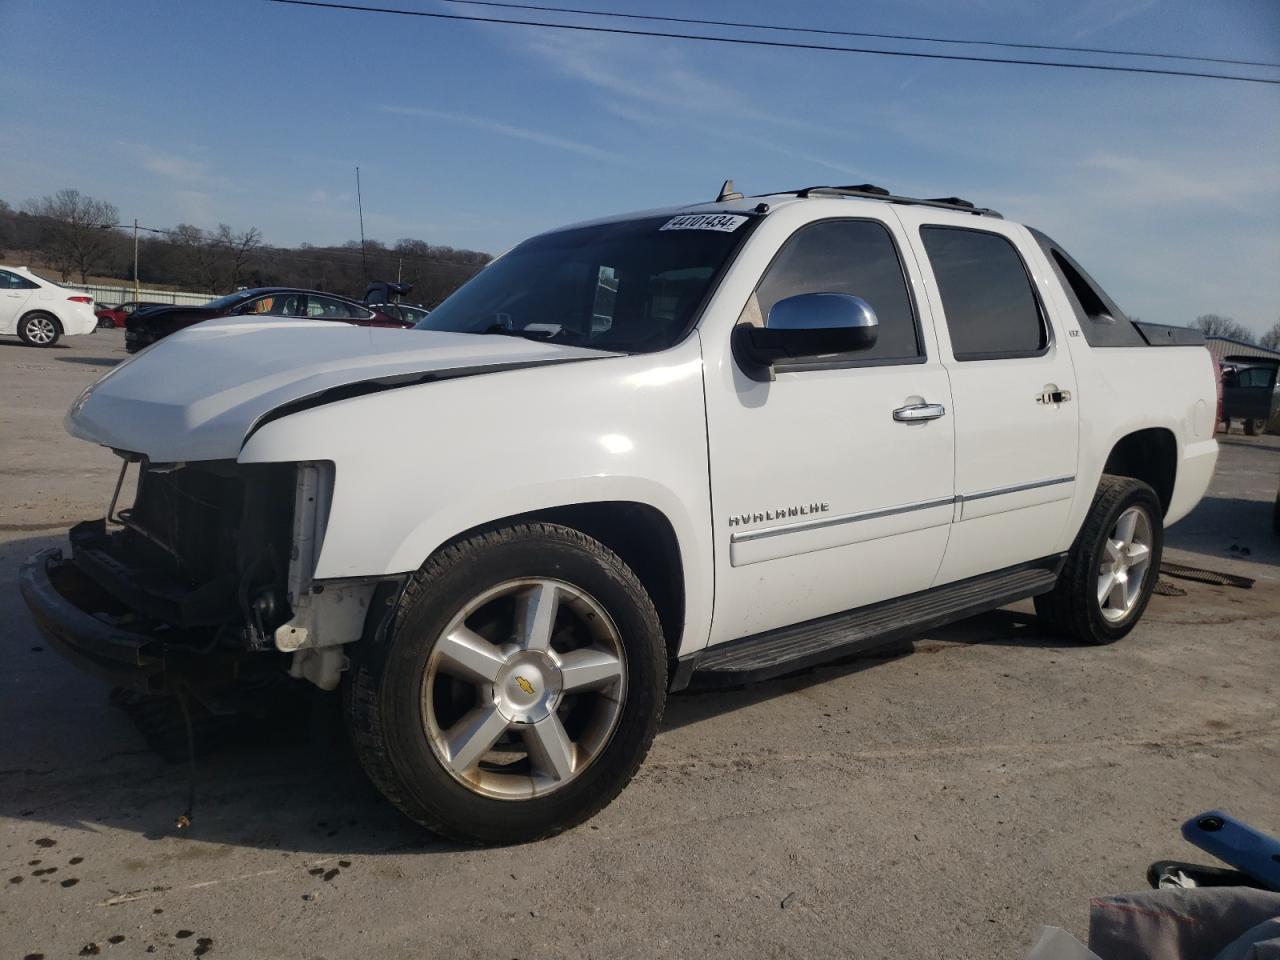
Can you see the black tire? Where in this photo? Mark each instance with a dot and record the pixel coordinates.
(382, 691)
(1255, 426)
(26, 329)
(1275, 516)
(1071, 610)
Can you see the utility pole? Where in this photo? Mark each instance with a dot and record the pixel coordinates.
(135, 258)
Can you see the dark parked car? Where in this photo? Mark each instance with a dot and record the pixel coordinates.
(387, 296)
(1249, 393)
(149, 324)
(410, 313)
(109, 316)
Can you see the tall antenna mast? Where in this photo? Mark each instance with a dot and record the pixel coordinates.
(364, 258)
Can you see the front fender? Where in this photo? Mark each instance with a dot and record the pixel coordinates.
(416, 466)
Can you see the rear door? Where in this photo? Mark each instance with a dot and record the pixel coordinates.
(1013, 390)
(15, 291)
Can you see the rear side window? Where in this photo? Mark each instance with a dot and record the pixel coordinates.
(857, 257)
(326, 308)
(1255, 377)
(1102, 322)
(991, 308)
(11, 281)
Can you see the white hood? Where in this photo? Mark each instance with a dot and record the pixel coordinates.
(197, 394)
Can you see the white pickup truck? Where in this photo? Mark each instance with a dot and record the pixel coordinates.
(687, 447)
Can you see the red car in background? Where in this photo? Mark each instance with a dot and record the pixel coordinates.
(146, 325)
(109, 316)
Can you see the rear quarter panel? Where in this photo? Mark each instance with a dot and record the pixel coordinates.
(1125, 389)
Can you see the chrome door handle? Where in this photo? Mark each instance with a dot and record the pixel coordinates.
(919, 411)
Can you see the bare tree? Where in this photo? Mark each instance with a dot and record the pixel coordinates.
(1213, 325)
(77, 237)
(199, 256)
(1271, 339)
(239, 248)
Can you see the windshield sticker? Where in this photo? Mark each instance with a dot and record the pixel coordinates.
(724, 222)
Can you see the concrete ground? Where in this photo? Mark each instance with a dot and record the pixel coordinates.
(941, 804)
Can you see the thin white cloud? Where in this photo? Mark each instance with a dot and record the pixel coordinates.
(1140, 181)
(662, 77)
(194, 206)
(180, 168)
(173, 166)
(507, 130)
(1104, 14)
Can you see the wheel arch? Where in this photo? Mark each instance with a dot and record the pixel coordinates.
(641, 534)
(1149, 455)
(43, 311)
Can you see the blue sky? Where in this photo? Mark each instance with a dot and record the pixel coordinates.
(237, 111)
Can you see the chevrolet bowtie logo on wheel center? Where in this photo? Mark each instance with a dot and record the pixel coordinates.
(524, 685)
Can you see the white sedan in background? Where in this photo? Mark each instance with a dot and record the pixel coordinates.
(39, 310)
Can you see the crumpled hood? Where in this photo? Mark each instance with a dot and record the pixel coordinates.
(198, 394)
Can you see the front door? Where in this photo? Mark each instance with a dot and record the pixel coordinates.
(822, 500)
(1013, 385)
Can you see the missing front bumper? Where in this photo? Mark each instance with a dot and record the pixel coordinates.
(72, 613)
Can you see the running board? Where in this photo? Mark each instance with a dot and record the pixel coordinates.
(788, 649)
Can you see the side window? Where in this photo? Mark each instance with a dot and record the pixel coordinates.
(1255, 377)
(11, 281)
(1102, 322)
(326, 308)
(857, 257)
(990, 306)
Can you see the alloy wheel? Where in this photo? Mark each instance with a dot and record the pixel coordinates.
(41, 330)
(1124, 564)
(524, 688)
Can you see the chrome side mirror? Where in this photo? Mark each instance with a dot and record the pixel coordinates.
(804, 327)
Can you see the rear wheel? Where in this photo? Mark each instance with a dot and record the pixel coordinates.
(39, 329)
(518, 690)
(1112, 567)
(1255, 426)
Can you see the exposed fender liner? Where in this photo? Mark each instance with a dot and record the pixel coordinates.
(361, 388)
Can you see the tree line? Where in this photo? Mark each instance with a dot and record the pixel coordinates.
(1213, 325)
(80, 237)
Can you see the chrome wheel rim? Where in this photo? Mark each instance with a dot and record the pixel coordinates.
(40, 330)
(1124, 565)
(523, 688)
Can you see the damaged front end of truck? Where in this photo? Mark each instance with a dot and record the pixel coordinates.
(204, 582)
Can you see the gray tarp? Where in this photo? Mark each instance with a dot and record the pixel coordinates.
(1203, 923)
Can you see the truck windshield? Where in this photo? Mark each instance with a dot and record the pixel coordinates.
(630, 286)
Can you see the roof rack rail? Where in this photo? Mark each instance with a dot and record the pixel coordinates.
(870, 191)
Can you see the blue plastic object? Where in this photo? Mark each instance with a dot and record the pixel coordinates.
(1238, 844)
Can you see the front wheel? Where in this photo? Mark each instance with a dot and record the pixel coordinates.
(1112, 567)
(518, 690)
(1255, 426)
(39, 330)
